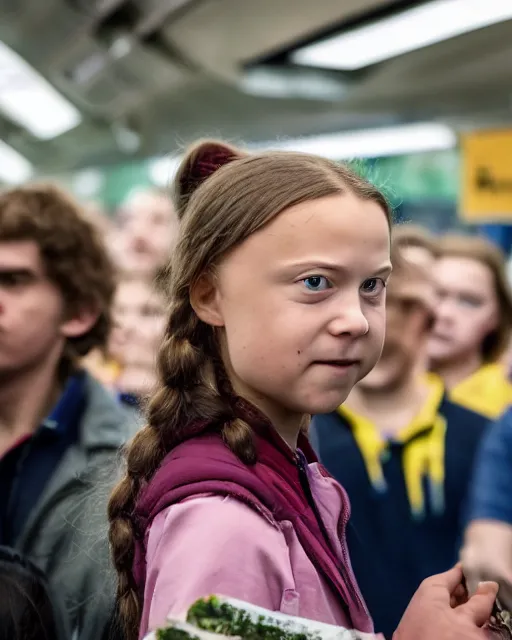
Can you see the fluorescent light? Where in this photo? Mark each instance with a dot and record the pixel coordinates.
(292, 82)
(14, 168)
(28, 99)
(374, 143)
(409, 30)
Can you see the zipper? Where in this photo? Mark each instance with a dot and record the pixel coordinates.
(348, 564)
(347, 576)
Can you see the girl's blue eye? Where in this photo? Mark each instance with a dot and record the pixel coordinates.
(317, 283)
(373, 286)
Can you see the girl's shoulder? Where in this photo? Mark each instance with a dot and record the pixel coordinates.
(210, 516)
(199, 466)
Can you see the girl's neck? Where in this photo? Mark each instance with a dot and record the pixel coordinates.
(287, 424)
(455, 371)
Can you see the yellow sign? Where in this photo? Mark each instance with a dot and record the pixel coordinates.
(486, 194)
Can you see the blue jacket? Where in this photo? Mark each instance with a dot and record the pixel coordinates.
(492, 482)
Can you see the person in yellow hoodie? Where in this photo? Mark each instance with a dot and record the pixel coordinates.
(473, 324)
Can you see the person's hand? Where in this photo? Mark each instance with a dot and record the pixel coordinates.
(441, 610)
(487, 555)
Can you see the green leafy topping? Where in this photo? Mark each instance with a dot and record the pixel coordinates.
(212, 615)
(172, 633)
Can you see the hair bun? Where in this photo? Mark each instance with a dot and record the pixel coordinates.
(199, 163)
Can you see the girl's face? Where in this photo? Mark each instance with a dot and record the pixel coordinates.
(139, 321)
(149, 227)
(300, 305)
(466, 311)
(139, 316)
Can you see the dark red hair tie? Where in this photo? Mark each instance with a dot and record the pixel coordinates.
(206, 164)
(209, 163)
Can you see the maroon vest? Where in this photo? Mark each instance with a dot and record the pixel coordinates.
(276, 486)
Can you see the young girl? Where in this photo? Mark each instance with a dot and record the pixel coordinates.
(139, 314)
(147, 227)
(474, 318)
(278, 295)
(139, 321)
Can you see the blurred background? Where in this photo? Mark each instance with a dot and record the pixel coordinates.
(102, 95)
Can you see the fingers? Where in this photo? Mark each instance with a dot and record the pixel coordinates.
(450, 580)
(459, 596)
(479, 607)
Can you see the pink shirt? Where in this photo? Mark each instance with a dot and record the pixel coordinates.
(216, 545)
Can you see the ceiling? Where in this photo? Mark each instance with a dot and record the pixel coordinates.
(169, 71)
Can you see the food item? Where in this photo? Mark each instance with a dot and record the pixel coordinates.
(217, 618)
(185, 631)
(500, 624)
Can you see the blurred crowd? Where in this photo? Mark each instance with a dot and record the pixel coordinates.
(423, 445)
(139, 239)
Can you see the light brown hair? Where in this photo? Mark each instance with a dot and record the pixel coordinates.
(409, 235)
(223, 195)
(72, 252)
(488, 254)
(412, 279)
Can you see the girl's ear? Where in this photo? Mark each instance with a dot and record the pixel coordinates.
(205, 300)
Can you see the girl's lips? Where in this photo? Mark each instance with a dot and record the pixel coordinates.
(341, 367)
(343, 362)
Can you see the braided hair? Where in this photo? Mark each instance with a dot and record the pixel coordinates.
(222, 196)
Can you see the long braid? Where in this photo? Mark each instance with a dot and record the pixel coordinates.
(223, 195)
(236, 433)
(188, 389)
